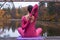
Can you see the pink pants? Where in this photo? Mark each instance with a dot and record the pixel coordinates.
(38, 31)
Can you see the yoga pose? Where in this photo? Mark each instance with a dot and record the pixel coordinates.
(28, 22)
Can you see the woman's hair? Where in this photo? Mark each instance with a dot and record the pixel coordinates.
(29, 8)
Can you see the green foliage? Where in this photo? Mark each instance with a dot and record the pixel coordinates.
(53, 31)
(51, 8)
(42, 3)
(37, 24)
(19, 10)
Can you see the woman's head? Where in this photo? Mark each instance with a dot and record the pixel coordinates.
(29, 8)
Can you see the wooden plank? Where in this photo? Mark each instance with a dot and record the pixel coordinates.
(30, 0)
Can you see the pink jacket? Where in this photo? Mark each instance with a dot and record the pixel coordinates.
(30, 27)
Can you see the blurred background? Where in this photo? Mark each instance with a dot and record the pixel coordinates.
(11, 13)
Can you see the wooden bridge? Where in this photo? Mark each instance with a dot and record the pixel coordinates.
(29, 0)
(46, 38)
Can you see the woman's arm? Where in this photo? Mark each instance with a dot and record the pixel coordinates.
(34, 11)
(24, 25)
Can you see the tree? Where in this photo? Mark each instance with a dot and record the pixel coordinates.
(51, 8)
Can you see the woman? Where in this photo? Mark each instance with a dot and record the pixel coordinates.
(28, 23)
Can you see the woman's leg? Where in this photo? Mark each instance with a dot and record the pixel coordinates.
(21, 31)
(38, 31)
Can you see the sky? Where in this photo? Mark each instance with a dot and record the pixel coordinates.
(23, 4)
(18, 4)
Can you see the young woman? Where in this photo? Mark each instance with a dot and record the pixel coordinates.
(28, 23)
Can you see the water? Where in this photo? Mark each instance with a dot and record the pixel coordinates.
(9, 33)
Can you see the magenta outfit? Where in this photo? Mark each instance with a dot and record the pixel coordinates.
(28, 29)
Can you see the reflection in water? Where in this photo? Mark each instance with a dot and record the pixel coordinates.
(9, 28)
(9, 33)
